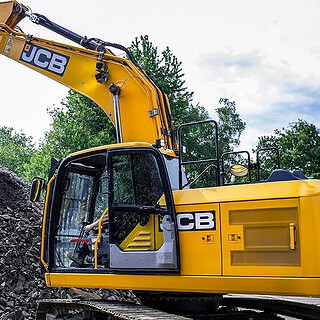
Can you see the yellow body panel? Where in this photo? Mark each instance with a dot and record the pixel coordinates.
(200, 251)
(256, 239)
(145, 237)
(249, 192)
(268, 244)
(293, 286)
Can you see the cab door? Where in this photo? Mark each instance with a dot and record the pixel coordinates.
(142, 222)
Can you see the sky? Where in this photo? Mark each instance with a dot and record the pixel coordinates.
(264, 55)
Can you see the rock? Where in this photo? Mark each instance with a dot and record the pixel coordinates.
(83, 295)
(21, 283)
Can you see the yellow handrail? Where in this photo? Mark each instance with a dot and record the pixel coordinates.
(98, 239)
(43, 235)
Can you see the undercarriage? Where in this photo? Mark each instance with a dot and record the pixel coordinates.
(183, 307)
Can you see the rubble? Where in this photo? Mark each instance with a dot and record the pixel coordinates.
(21, 282)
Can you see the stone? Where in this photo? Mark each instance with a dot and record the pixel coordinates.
(21, 282)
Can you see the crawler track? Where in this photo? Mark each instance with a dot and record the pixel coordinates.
(78, 309)
(231, 308)
(279, 307)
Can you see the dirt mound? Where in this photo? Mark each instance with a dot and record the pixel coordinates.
(21, 283)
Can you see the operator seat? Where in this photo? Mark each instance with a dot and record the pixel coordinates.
(284, 175)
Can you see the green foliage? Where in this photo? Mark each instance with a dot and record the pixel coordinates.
(16, 150)
(230, 125)
(299, 146)
(167, 72)
(78, 124)
(199, 141)
(39, 164)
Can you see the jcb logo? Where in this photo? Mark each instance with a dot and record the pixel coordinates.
(45, 59)
(196, 221)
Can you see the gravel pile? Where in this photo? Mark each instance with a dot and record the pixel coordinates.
(21, 283)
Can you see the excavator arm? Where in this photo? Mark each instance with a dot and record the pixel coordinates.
(133, 101)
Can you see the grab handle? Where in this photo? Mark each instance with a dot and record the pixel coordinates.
(292, 235)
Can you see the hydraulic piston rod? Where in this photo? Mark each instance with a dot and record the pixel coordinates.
(115, 90)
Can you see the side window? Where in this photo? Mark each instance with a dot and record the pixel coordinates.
(137, 202)
(102, 198)
(76, 201)
(136, 180)
(122, 180)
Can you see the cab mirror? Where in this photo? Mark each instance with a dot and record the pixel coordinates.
(37, 185)
(238, 170)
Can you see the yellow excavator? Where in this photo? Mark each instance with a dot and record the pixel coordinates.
(181, 249)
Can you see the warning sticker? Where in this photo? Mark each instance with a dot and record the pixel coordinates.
(8, 46)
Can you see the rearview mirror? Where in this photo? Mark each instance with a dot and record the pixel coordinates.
(238, 170)
(37, 185)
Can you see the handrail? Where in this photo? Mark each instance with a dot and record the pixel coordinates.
(217, 154)
(98, 239)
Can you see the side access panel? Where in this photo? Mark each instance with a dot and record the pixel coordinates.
(261, 238)
(199, 239)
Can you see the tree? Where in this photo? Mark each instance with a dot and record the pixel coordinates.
(230, 125)
(299, 146)
(81, 124)
(167, 71)
(16, 150)
(198, 141)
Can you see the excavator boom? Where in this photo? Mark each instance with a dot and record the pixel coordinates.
(133, 101)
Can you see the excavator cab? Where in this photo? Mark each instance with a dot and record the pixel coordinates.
(131, 185)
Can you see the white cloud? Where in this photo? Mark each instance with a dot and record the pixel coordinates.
(269, 92)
